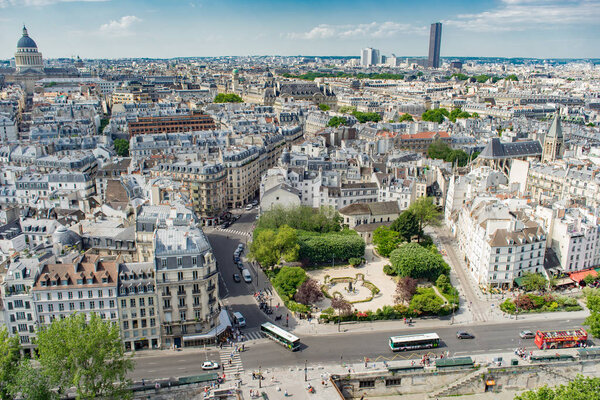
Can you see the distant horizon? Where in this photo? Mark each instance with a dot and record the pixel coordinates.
(111, 29)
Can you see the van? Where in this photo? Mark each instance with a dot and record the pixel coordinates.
(246, 275)
(239, 319)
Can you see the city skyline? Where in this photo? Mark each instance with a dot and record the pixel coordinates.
(135, 28)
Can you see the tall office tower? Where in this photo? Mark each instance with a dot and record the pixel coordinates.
(435, 42)
(369, 56)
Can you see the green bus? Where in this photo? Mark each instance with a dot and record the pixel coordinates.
(414, 342)
(281, 336)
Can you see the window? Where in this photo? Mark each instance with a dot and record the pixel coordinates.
(40, 308)
(150, 301)
(182, 315)
(61, 307)
(143, 312)
(48, 296)
(123, 303)
(180, 276)
(366, 384)
(182, 302)
(125, 324)
(70, 295)
(196, 300)
(90, 294)
(132, 302)
(71, 306)
(142, 302)
(50, 308)
(92, 305)
(111, 303)
(151, 312)
(194, 260)
(198, 314)
(179, 261)
(195, 275)
(152, 322)
(144, 323)
(167, 303)
(101, 304)
(80, 294)
(163, 263)
(81, 305)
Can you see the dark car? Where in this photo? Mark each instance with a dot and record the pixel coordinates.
(464, 335)
(240, 266)
(237, 278)
(225, 225)
(236, 259)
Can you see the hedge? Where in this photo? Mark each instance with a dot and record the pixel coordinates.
(537, 304)
(323, 248)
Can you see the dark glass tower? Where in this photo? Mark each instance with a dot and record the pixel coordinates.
(435, 42)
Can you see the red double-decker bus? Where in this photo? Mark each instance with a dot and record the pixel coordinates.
(561, 339)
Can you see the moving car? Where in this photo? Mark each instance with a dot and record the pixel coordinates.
(208, 365)
(246, 275)
(526, 335)
(464, 335)
(237, 278)
(239, 319)
(225, 225)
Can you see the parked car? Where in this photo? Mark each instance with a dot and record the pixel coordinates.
(464, 335)
(237, 278)
(526, 335)
(241, 246)
(225, 225)
(208, 365)
(239, 319)
(255, 202)
(240, 266)
(249, 207)
(246, 275)
(236, 259)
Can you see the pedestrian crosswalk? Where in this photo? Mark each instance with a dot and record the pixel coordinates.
(254, 334)
(235, 232)
(231, 361)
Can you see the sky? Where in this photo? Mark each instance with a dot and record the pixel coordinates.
(202, 28)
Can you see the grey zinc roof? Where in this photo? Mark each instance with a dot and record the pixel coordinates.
(495, 149)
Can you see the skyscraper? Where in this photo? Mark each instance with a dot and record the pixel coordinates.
(370, 56)
(435, 42)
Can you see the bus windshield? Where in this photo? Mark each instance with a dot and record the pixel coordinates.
(413, 342)
(280, 336)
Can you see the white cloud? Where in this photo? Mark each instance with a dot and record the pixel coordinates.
(119, 26)
(370, 30)
(41, 3)
(520, 15)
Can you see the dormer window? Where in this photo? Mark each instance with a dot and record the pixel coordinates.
(54, 283)
(104, 280)
(64, 282)
(80, 281)
(42, 283)
(123, 291)
(90, 281)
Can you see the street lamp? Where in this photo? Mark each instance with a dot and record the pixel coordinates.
(305, 371)
(259, 378)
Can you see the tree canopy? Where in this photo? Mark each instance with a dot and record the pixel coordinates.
(426, 213)
(228, 98)
(415, 261)
(405, 117)
(347, 109)
(406, 225)
(121, 147)
(440, 150)
(363, 117)
(435, 115)
(426, 301)
(9, 361)
(288, 279)
(593, 304)
(337, 121)
(386, 240)
(533, 282)
(308, 292)
(88, 355)
(324, 219)
(269, 246)
(580, 388)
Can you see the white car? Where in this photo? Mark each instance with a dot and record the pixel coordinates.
(249, 207)
(207, 365)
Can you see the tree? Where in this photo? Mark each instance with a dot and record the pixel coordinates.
(415, 261)
(592, 300)
(443, 283)
(309, 292)
(406, 117)
(533, 282)
(324, 107)
(406, 225)
(121, 147)
(426, 302)
(589, 279)
(580, 388)
(288, 279)
(262, 249)
(32, 383)
(228, 98)
(435, 115)
(88, 355)
(405, 289)
(593, 323)
(286, 243)
(363, 117)
(9, 361)
(342, 306)
(386, 240)
(426, 213)
(347, 109)
(337, 121)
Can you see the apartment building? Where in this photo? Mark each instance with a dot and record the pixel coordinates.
(20, 314)
(575, 238)
(86, 284)
(243, 174)
(187, 287)
(499, 246)
(348, 193)
(137, 303)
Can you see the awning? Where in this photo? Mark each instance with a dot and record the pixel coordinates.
(224, 323)
(564, 281)
(579, 276)
(490, 382)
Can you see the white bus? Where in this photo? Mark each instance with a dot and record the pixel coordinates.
(414, 342)
(280, 336)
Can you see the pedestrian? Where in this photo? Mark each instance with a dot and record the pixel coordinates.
(143, 382)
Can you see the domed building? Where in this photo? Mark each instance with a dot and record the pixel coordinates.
(27, 57)
(65, 240)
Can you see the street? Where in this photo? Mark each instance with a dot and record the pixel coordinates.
(347, 348)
